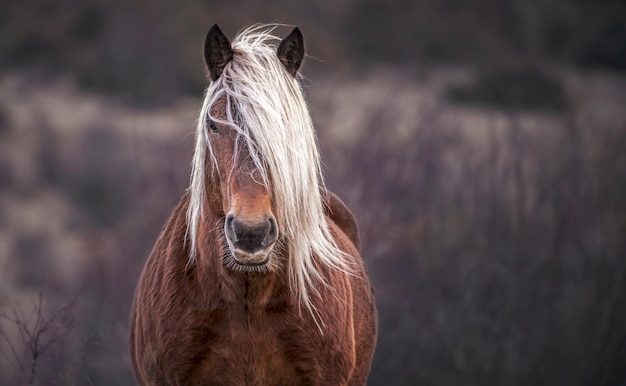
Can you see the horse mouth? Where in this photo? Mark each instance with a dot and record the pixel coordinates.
(242, 261)
(251, 260)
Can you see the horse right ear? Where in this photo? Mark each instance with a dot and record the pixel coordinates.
(217, 52)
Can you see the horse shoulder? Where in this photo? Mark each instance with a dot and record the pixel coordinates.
(364, 316)
(342, 217)
(150, 303)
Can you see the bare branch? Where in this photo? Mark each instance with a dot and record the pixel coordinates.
(37, 333)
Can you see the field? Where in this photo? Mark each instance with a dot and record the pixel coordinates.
(495, 239)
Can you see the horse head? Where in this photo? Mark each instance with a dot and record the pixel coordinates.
(244, 195)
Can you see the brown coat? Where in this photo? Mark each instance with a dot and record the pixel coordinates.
(205, 325)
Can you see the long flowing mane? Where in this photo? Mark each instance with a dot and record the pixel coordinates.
(266, 107)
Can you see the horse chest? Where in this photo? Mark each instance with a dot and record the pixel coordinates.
(252, 349)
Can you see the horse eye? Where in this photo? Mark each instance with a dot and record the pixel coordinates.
(213, 127)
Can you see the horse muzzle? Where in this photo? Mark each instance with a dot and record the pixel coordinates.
(251, 243)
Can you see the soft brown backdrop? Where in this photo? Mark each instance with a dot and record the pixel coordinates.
(481, 145)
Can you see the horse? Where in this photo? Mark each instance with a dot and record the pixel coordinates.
(257, 277)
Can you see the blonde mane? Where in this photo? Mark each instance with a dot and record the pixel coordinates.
(266, 106)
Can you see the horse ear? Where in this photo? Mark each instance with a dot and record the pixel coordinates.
(291, 51)
(217, 52)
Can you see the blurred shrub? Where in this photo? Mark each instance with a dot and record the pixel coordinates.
(4, 121)
(97, 188)
(500, 264)
(89, 22)
(134, 61)
(526, 89)
(49, 36)
(150, 52)
(488, 31)
(31, 249)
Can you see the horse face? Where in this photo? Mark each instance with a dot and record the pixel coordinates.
(250, 227)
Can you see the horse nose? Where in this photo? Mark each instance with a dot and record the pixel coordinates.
(251, 237)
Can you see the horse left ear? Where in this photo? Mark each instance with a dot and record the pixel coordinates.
(291, 51)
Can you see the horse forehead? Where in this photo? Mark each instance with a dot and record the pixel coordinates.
(218, 109)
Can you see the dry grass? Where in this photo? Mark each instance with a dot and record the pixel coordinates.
(484, 231)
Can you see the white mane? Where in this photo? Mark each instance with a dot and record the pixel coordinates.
(273, 118)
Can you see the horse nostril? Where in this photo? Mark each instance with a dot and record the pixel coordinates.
(272, 233)
(229, 228)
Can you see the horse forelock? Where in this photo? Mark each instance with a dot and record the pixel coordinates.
(266, 106)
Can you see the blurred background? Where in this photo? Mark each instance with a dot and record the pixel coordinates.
(481, 145)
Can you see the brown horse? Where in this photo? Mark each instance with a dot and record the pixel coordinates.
(256, 278)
